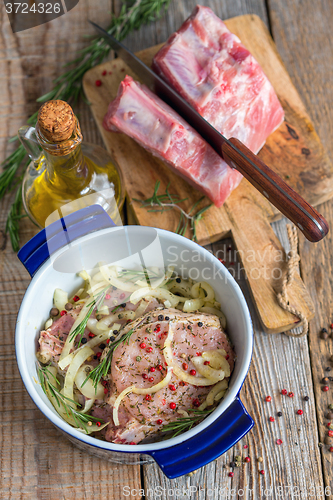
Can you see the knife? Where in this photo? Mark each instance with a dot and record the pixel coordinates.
(232, 151)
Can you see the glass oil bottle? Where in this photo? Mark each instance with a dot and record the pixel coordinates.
(66, 174)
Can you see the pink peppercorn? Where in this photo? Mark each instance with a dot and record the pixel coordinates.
(325, 388)
(104, 72)
(330, 433)
(262, 472)
(98, 83)
(284, 392)
(62, 313)
(160, 367)
(76, 298)
(150, 349)
(148, 397)
(196, 402)
(268, 399)
(279, 441)
(108, 296)
(185, 366)
(98, 354)
(159, 421)
(145, 376)
(331, 449)
(172, 387)
(172, 406)
(193, 372)
(91, 335)
(271, 419)
(231, 474)
(247, 459)
(143, 345)
(98, 424)
(105, 390)
(207, 363)
(151, 379)
(245, 446)
(152, 369)
(299, 412)
(291, 394)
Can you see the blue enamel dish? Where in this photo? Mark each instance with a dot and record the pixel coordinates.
(80, 240)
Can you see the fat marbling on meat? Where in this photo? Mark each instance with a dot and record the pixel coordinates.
(210, 67)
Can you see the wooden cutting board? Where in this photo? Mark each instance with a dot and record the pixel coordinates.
(294, 151)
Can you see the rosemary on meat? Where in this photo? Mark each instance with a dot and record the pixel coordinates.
(81, 419)
(102, 369)
(96, 302)
(186, 423)
(68, 87)
(168, 201)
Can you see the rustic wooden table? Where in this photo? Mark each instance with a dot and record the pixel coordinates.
(37, 462)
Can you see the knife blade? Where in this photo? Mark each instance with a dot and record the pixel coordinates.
(232, 151)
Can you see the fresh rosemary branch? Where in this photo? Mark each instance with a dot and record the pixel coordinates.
(103, 368)
(14, 216)
(168, 201)
(68, 87)
(96, 302)
(45, 377)
(185, 424)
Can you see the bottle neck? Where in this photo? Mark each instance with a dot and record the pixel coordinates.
(65, 165)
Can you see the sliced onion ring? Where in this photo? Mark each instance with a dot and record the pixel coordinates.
(208, 372)
(179, 372)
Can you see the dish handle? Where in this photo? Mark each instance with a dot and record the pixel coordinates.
(60, 233)
(202, 448)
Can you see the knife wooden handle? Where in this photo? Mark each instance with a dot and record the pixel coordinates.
(291, 204)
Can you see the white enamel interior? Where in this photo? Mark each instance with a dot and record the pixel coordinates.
(112, 245)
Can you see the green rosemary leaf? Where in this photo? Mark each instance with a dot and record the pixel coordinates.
(102, 369)
(68, 86)
(95, 302)
(167, 201)
(80, 418)
(186, 423)
(14, 215)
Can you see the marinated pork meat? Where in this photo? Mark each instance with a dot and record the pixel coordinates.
(140, 114)
(141, 363)
(52, 340)
(208, 65)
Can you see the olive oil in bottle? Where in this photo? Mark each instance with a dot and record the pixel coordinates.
(66, 174)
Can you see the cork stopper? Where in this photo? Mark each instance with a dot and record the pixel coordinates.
(56, 121)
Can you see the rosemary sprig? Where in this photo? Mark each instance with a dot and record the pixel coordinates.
(102, 369)
(185, 424)
(96, 302)
(168, 201)
(14, 216)
(68, 87)
(44, 375)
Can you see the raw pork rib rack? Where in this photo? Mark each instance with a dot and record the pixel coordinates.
(217, 75)
(207, 64)
(144, 117)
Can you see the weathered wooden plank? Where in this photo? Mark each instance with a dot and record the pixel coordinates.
(269, 372)
(37, 462)
(278, 362)
(302, 33)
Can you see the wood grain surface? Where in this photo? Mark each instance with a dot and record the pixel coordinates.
(246, 213)
(39, 463)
